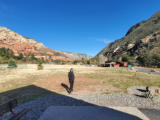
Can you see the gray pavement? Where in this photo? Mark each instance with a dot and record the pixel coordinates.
(152, 114)
(148, 71)
(89, 113)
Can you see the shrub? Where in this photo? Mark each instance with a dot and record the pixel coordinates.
(131, 60)
(75, 61)
(39, 65)
(149, 59)
(12, 64)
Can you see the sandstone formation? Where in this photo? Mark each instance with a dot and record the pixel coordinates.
(27, 46)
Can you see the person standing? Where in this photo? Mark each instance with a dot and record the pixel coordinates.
(71, 78)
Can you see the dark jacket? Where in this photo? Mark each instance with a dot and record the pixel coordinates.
(71, 76)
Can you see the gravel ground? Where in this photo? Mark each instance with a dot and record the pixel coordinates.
(121, 100)
(37, 107)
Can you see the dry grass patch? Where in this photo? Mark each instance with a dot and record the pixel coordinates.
(88, 80)
(122, 79)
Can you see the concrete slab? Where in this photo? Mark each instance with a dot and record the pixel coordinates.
(89, 113)
(132, 111)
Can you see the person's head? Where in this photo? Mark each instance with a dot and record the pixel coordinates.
(147, 88)
(71, 70)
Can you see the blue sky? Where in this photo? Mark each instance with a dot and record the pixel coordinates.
(82, 26)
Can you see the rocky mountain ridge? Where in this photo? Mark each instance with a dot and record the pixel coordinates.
(77, 56)
(142, 40)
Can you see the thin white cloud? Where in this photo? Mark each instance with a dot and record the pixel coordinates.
(103, 40)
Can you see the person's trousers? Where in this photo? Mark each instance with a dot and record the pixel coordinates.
(71, 85)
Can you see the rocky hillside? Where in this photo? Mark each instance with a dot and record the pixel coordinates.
(140, 45)
(77, 56)
(27, 46)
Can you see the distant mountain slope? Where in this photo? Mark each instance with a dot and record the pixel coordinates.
(139, 46)
(77, 56)
(22, 44)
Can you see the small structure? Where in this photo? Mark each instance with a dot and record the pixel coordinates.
(79, 63)
(124, 64)
(117, 65)
(154, 70)
(109, 64)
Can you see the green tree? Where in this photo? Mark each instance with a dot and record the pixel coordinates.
(88, 62)
(75, 61)
(20, 56)
(131, 60)
(149, 59)
(33, 57)
(84, 61)
(6, 54)
(125, 58)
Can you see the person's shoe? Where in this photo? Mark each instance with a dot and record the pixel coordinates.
(69, 91)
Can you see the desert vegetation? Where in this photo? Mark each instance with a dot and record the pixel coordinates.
(7, 55)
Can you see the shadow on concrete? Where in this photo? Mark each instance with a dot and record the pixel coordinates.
(38, 103)
(24, 94)
(152, 114)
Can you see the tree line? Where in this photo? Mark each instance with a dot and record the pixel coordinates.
(7, 55)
